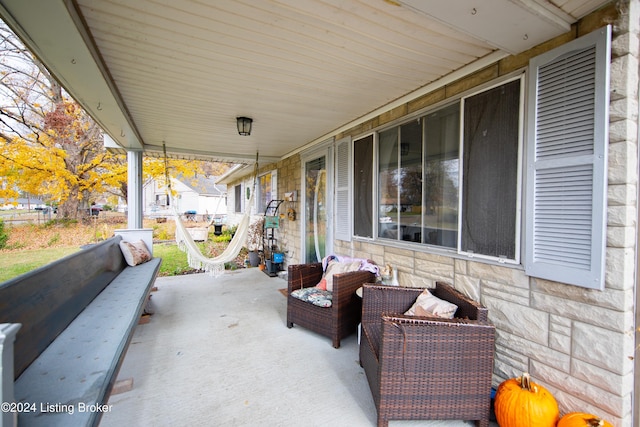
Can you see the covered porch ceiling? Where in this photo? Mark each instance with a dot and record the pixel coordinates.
(178, 73)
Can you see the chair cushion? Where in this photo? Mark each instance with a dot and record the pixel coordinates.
(336, 267)
(428, 304)
(314, 295)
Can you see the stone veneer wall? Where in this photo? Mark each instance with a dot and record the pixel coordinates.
(579, 343)
(289, 179)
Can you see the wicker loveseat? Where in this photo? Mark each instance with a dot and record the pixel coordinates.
(335, 322)
(426, 368)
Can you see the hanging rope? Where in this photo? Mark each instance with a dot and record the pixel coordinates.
(195, 258)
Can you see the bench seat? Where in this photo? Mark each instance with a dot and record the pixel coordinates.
(77, 370)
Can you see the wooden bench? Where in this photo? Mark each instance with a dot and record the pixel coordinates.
(78, 315)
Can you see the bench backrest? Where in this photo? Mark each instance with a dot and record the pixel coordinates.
(47, 299)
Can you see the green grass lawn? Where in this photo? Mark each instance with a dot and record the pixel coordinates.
(174, 261)
(12, 264)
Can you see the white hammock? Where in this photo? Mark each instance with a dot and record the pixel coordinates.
(213, 266)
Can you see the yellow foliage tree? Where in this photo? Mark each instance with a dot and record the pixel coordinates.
(51, 148)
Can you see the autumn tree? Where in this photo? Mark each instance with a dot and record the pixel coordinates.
(50, 147)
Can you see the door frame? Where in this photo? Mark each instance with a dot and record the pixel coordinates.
(326, 149)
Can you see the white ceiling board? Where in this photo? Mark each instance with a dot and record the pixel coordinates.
(504, 24)
(180, 72)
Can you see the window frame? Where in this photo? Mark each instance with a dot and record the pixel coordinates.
(457, 250)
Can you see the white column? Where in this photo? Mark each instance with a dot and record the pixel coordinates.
(134, 190)
(7, 337)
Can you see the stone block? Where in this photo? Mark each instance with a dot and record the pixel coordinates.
(534, 351)
(563, 385)
(504, 370)
(620, 385)
(595, 345)
(558, 322)
(560, 342)
(620, 268)
(434, 269)
(510, 275)
(473, 80)
(621, 195)
(622, 85)
(522, 321)
(624, 108)
(399, 258)
(621, 131)
(442, 259)
(621, 237)
(393, 114)
(610, 298)
(412, 281)
(622, 161)
(625, 44)
(460, 266)
(621, 216)
(506, 292)
(611, 319)
(470, 286)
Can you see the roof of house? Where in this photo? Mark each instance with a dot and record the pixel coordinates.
(205, 185)
(22, 201)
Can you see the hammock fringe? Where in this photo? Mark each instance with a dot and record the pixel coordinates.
(195, 258)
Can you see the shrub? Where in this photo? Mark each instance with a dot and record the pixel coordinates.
(4, 235)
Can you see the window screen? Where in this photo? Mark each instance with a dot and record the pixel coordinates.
(490, 171)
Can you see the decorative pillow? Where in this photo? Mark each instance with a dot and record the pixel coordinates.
(428, 304)
(335, 267)
(135, 252)
(314, 295)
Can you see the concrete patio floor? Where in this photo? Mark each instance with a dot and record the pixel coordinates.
(217, 352)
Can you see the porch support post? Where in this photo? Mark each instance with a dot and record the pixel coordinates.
(7, 337)
(134, 190)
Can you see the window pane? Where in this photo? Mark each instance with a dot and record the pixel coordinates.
(388, 186)
(238, 198)
(490, 171)
(442, 136)
(410, 178)
(363, 187)
(264, 187)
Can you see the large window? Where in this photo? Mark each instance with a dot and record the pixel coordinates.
(363, 187)
(449, 179)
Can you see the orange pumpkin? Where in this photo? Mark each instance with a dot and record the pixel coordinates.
(580, 419)
(520, 402)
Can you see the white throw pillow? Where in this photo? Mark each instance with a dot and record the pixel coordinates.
(135, 252)
(428, 304)
(333, 268)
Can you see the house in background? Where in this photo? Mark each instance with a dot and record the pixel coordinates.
(21, 203)
(201, 195)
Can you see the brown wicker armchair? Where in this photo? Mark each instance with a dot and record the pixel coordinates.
(335, 322)
(426, 368)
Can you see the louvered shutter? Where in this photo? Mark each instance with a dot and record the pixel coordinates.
(343, 190)
(567, 162)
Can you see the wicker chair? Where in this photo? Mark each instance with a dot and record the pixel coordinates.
(335, 322)
(426, 368)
